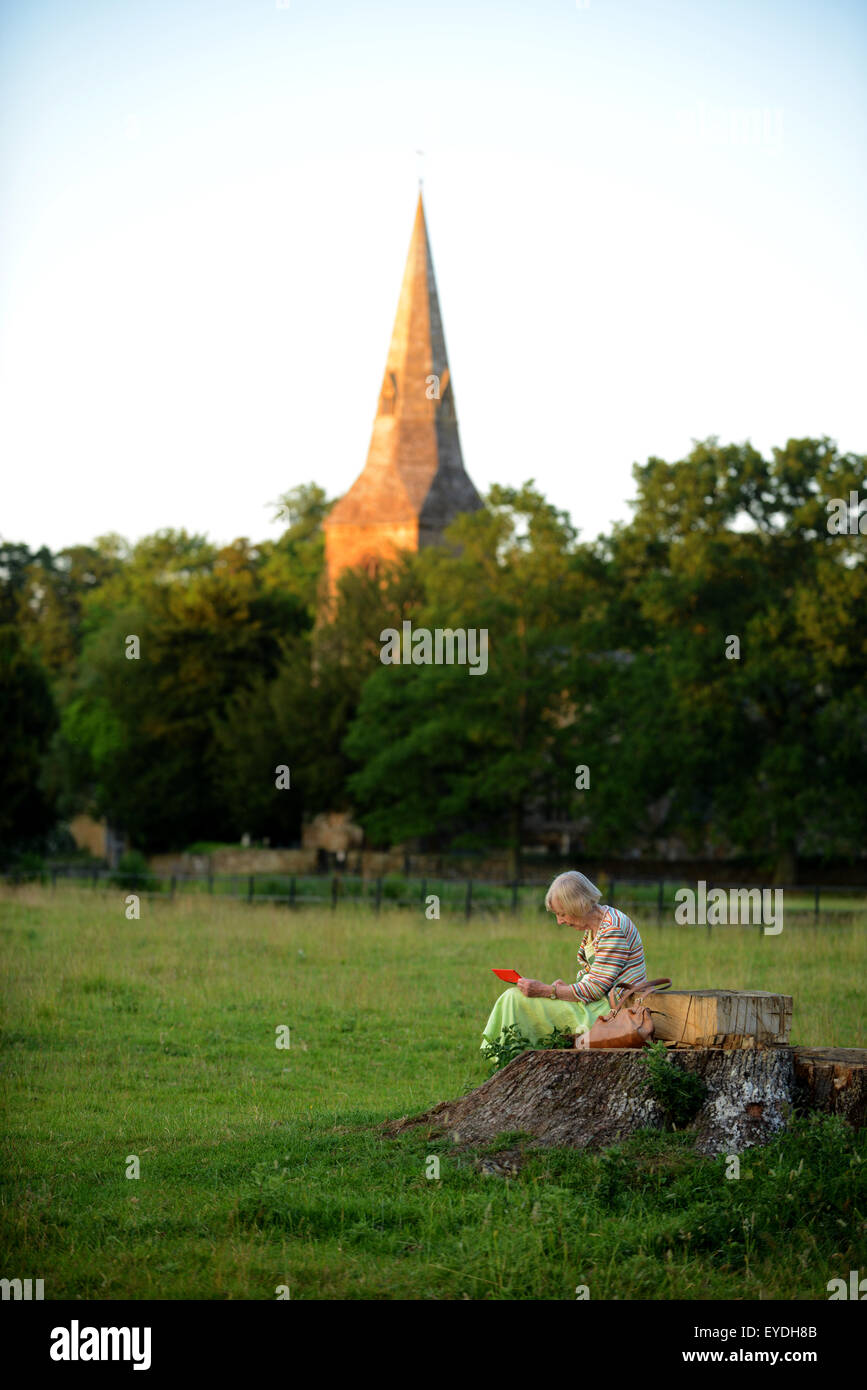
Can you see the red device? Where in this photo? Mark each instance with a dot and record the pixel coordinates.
(511, 976)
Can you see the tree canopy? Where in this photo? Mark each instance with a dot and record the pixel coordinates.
(704, 662)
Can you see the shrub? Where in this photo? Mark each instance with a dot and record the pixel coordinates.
(132, 871)
(512, 1043)
(680, 1093)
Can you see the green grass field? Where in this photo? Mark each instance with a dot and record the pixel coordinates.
(264, 1167)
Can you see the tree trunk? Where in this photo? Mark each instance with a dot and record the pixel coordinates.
(726, 1017)
(515, 827)
(786, 867)
(597, 1098)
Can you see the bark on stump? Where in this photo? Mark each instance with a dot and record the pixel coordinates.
(728, 1017)
(598, 1098)
(833, 1079)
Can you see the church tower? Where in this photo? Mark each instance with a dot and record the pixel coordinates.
(413, 484)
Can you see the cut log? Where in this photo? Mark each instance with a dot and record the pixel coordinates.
(731, 1018)
(833, 1079)
(594, 1099)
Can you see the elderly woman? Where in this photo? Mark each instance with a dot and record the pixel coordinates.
(610, 954)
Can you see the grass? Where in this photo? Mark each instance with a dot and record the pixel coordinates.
(263, 1167)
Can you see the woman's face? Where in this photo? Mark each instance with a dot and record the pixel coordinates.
(565, 920)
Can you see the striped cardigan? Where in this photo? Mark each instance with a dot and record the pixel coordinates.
(619, 957)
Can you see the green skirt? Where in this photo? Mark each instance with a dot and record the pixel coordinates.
(536, 1018)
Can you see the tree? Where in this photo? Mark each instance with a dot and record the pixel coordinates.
(27, 721)
(53, 598)
(741, 750)
(138, 725)
(299, 715)
(456, 757)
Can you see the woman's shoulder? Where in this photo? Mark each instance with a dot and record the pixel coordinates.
(614, 922)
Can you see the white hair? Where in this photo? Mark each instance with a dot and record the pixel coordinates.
(572, 893)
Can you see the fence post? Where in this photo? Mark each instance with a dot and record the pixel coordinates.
(250, 889)
(333, 891)
(515, 896)
(378, 903)
(661, 900)
(469, 903)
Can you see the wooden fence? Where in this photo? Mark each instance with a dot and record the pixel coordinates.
(655, 896)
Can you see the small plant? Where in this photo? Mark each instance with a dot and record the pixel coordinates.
(512, 1043)
(558, 1038)
(679, 1092)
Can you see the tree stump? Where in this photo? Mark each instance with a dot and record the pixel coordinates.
(597, 1098)
(833, 1079)
(725, 1017)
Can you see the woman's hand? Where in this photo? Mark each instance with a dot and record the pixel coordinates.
(533, 989)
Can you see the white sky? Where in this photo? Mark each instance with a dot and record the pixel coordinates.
(647, 223)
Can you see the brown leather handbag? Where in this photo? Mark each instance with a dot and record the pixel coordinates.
(629, 1024)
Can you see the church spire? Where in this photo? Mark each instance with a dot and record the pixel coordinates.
(413, 484)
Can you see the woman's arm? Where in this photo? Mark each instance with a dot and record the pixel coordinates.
(612, 955)
(537, 989)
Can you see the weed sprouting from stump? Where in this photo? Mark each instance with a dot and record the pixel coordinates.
(680, 1093)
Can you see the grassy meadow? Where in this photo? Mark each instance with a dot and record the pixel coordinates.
(263, 1166)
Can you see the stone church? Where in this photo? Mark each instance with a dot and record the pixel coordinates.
(414, 482)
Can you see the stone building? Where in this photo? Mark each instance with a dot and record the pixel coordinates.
(414, 483)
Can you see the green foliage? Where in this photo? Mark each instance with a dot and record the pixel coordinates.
(680, 1093)
(27, 721)
(52, 593)
(557, 1038)
(395, 887)
(512, 1042)
(132, 872)
(504, 1049)
(466, 754)
(137, 740)
(767, 750)
(610, 652)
